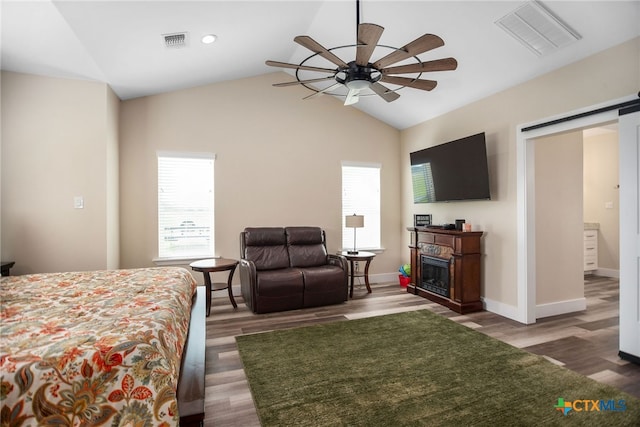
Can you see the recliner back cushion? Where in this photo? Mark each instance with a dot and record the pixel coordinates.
(306, 246)
(266, 247)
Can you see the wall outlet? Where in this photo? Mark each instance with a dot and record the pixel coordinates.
(608, 205)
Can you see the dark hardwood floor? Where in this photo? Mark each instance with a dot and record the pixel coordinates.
(585, 342)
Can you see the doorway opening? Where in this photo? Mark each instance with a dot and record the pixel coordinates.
(526, 211)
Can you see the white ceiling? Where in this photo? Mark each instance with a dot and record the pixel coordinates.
(121, 43)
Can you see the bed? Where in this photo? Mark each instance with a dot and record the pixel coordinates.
(117, 347)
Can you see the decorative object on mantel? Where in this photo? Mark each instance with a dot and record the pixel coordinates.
(421, 220)
(361, 77)
(354, 221)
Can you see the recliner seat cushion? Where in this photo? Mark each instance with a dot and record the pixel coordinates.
(266, 247)
(323, 278)
(280, 290)
(306, 248)
(284, 281)
(324, 285)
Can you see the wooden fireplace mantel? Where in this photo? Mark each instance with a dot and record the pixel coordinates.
(463, 250)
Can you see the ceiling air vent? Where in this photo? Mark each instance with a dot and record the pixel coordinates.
(536, 28)
(175, 40)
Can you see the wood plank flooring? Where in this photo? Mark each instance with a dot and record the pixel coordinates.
(585, 342)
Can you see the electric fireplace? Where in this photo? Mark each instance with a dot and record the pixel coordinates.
(435, 275)
(446, 267)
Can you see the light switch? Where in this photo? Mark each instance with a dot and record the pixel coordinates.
(78, 202)
(608, 205)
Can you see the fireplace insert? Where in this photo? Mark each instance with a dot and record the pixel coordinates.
(435, 275)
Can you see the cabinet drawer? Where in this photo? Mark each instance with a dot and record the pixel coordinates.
(591, 258)
(590, 235)
(590, 266)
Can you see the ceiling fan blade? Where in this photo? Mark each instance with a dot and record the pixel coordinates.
(368, 36)
(320, 92)
(352, 97)
(420, 45)
(445, 64)
(316, 47)
(299, 67)
(414, 83)
(321, 79)
(384, 92)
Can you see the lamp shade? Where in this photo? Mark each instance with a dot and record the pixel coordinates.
(354, 221)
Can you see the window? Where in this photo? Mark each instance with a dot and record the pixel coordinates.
(361, 196)
(185, 205)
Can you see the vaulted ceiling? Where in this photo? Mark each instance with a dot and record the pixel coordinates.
(121, 43)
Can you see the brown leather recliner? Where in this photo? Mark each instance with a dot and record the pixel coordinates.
(286, 268)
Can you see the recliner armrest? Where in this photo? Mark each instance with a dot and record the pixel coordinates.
(248, 281)
(338, 260)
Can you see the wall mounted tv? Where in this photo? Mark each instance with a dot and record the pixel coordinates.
(456, 170)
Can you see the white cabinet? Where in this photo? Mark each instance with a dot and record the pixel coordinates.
(590, 250)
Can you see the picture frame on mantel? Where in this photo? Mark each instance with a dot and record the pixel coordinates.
(421, 220)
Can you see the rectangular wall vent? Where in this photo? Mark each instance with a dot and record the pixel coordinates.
(536, 28)
(175, 40)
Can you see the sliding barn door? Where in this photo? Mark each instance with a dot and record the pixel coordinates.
(629, 128)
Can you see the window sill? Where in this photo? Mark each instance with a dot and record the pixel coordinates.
(180, 260)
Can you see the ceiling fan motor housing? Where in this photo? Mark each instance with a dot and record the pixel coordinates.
(359, 77)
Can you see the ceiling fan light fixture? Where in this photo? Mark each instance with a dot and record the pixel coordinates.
(358, 84)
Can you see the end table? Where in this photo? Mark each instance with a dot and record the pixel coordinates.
(353, 258)
(208, 266)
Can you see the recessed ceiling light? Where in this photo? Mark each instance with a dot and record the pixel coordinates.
(208, 38)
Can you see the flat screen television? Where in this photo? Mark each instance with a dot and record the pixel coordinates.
(456, 170)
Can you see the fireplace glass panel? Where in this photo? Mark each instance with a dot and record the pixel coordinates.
(435, 275)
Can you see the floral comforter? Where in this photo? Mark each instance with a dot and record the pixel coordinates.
(93, 348)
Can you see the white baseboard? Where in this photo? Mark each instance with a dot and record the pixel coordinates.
(501, 309)
(560, 307)
(607, 272)
(497, 307)
(384, 278)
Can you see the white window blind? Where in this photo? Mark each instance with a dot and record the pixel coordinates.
(361, 196)
(185, 205)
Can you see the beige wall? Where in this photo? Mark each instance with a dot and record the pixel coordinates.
(278, 162)
(58, 141)
(559, 234)
(601, 176)
(611, 74)
(56, 138)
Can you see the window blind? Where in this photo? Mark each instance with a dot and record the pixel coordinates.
(186, 205)
(361, 196)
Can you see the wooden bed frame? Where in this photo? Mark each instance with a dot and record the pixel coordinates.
(191, 382)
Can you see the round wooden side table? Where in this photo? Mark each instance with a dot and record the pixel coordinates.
(213, 265)
(353, 258)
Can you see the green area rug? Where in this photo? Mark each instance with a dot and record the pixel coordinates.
(418, 369)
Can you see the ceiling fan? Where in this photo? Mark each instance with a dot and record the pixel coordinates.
(360, 75)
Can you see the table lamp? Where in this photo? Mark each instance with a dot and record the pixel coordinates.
(354, 221)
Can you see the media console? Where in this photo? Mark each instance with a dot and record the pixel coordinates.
(446, 267)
